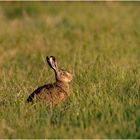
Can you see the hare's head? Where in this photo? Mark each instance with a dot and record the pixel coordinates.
(61, 75)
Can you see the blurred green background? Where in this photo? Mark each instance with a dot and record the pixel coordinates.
(98, 41)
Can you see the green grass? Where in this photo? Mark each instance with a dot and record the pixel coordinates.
(98, 41)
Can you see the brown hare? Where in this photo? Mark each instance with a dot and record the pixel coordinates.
(56, 92)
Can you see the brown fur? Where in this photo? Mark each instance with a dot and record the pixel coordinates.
(56, 92)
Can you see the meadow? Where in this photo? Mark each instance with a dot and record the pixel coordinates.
(98, 41)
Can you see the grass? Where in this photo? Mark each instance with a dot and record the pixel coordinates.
(98, 41)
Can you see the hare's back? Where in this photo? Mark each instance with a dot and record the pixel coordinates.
(42, 92)
(53, 94)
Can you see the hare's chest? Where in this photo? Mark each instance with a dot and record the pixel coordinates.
(57, 97)
(60, 96)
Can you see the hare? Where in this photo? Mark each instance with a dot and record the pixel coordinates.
(56, 92)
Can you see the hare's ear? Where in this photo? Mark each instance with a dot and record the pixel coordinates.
(52, 62)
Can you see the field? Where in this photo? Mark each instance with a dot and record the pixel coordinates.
(98, 41)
